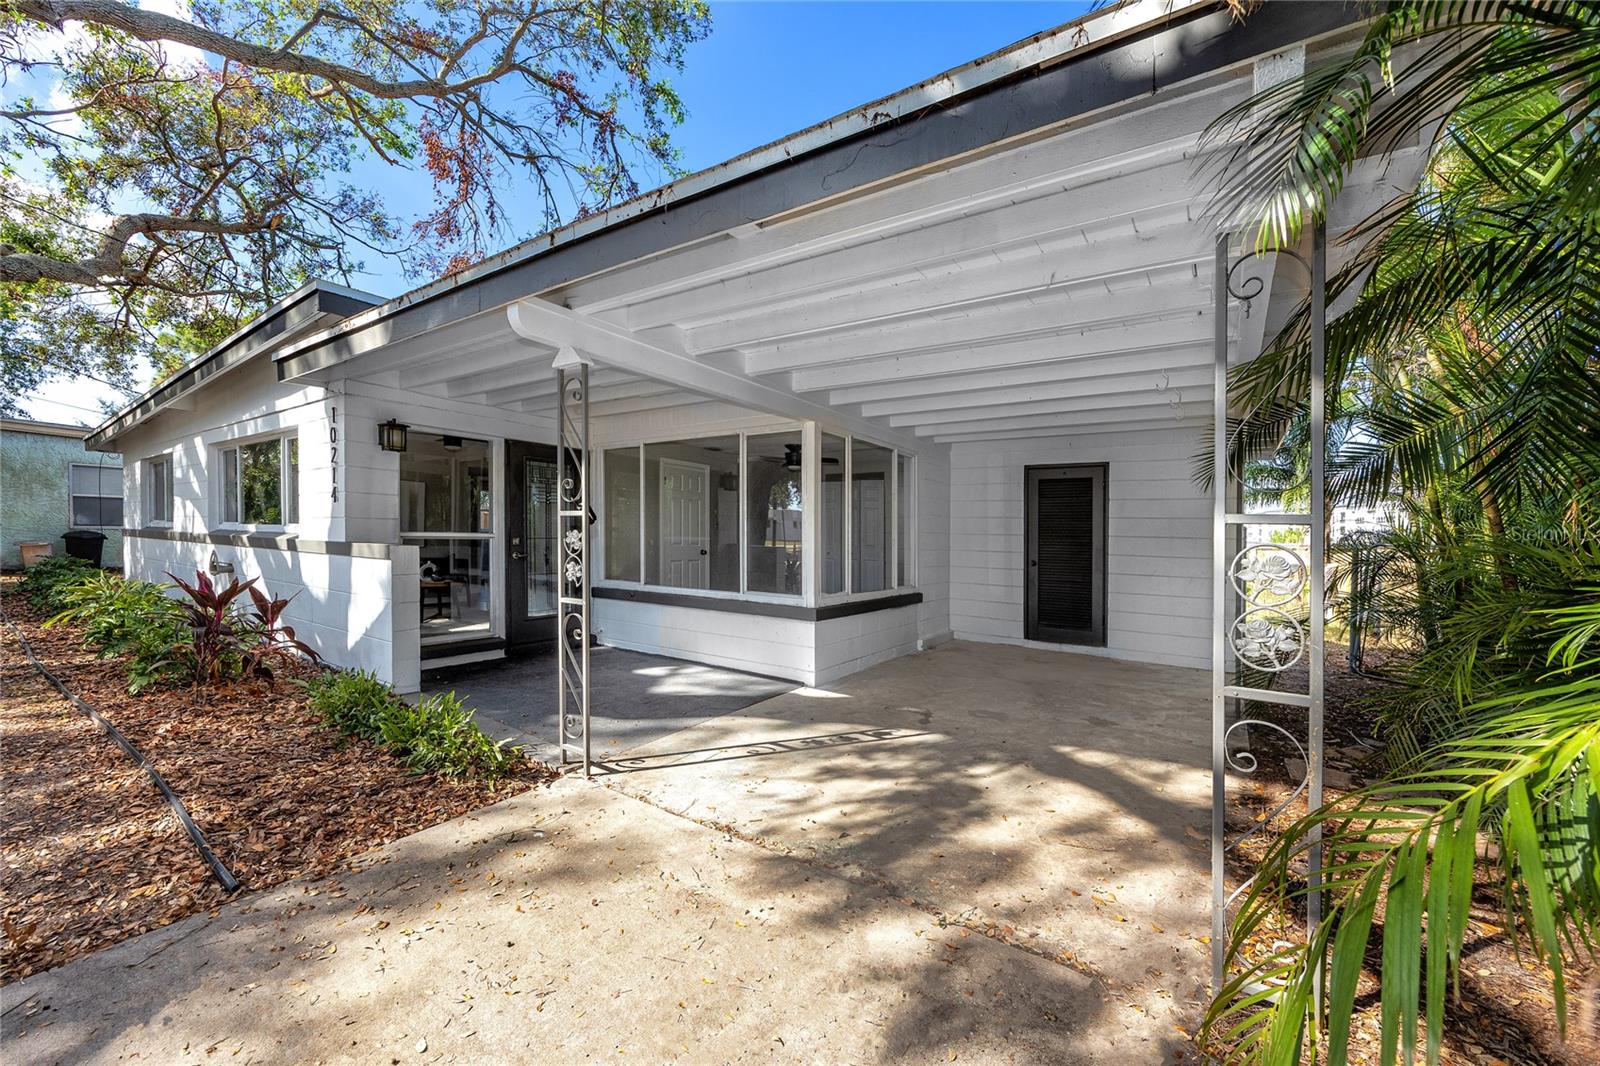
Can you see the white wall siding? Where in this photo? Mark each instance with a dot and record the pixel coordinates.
(1158, 542)
(775, 647)
(845, 645)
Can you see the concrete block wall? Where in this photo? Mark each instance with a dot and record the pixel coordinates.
(356, 611)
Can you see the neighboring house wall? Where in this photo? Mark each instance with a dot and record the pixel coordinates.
(1158, 542)
(35, 471)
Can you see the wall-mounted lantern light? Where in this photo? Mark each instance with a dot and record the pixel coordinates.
(392, 435)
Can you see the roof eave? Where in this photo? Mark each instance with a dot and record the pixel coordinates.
(301, 311)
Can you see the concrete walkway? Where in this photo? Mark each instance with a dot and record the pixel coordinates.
(912, 868)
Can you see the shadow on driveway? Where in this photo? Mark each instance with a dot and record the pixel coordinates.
(635, 698)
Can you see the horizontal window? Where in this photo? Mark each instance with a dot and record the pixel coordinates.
(95, 495)
(727, 514)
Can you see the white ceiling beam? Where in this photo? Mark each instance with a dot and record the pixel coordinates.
(1070, 308)
(1149, 397)
(448, 363)
(1095, 389)
(640, 404)
(527, 373)
(1110, 343)
(1034, 434)
(1057, 265)
(1142, 203)
(1118, 147)
(612, 345)
(1079, 370)
(542, 396)
(1069, 422)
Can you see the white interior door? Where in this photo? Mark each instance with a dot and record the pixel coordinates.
(869, 559)
(685, 524)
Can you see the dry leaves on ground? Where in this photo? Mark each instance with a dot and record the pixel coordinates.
(90, 853)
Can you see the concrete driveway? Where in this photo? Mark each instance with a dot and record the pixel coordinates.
(912, 867)
(1060, 802)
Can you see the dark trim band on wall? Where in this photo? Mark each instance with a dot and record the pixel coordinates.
(287, 542)
(757, 607)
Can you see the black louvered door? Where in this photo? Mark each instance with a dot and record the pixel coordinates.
(1066, 554)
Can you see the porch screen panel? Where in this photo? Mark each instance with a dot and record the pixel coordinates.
(833, 512)
(1066, 555)
(870, 511)
(622, 513)
(691, 508)
(773, 492)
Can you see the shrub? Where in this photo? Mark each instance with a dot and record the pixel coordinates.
(352, 701)
(224, 643)
(45, 584)
(437, 735)
(135, 619)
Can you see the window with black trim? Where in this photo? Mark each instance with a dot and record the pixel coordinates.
(95, 495)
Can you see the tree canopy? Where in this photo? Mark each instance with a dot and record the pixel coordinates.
(166, 178)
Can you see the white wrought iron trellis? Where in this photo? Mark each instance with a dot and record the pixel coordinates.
(572, 529)
(1256, 593)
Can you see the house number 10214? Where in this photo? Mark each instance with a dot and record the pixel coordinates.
(333, 450)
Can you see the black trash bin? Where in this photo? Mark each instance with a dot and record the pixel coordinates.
(88, 544)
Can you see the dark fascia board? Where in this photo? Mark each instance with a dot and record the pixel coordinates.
(1192, 43)
(303, 309)
(760, 608)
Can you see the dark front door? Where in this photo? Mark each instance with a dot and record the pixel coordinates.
(532, 554)
(1066, 554)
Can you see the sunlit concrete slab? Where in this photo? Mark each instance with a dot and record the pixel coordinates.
(1059, 800)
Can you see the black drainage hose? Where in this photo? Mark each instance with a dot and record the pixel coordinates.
(226, 879)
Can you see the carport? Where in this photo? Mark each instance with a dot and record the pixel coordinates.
(974, 332)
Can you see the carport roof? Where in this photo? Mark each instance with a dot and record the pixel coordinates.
(1113, 57)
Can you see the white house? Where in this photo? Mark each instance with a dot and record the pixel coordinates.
(938, 366)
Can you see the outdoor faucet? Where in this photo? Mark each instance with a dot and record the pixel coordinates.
(217, 566)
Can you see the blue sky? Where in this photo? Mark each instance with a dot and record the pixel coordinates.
(767, 70)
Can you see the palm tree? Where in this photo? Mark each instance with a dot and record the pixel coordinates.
(1466, 379)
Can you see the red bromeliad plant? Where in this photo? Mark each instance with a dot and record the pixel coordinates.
(224, 643)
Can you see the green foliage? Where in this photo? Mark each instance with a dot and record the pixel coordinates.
(352, 701)
(46, 583)
(1524, 768)
(1463, 392)
(435, 735)
(168, 178)
(131, 619)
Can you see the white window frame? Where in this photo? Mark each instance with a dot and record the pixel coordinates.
(148, 497)
(72, 509)
(498, 520)
(811, 594)
(227, 453)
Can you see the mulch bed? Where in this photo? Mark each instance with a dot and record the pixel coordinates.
(90, 853)
(1505, 1014)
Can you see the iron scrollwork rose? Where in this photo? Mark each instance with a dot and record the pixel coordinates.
(1267, 639)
